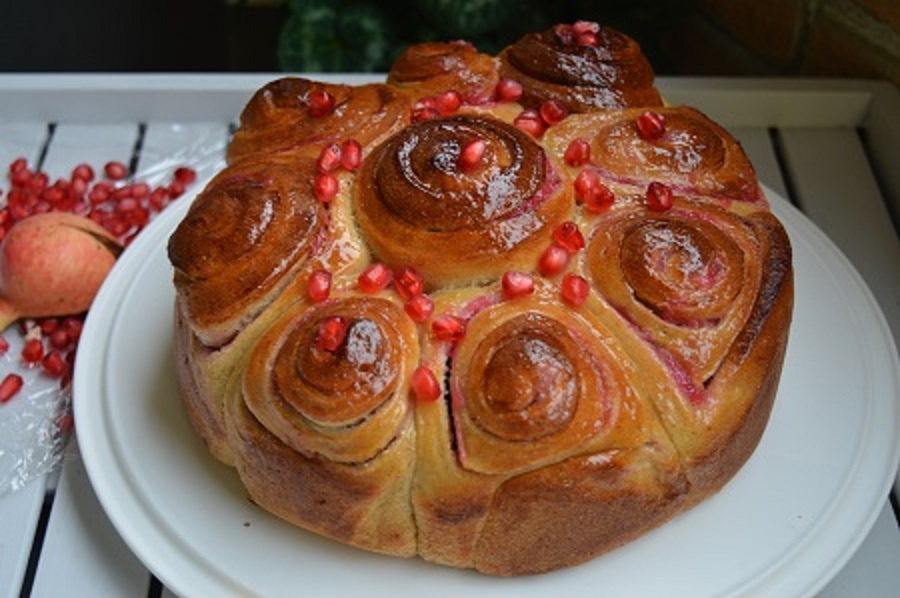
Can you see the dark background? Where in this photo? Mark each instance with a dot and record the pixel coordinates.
(843, 38)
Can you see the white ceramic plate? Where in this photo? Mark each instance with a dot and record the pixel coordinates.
(784, 526)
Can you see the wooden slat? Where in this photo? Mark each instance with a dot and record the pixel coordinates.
(83, 555)
(836, 189)
(20, 509)
(77, 524)
(882, 135)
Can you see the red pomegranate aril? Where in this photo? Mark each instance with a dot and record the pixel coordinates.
(185, 175)
(578, 153)
(318, 288)
(321, 103)
(448, 102)
(48, 325)
(33, 351)
(115, 170)
(127, 204)
(419, 308)
(508, 90)
(574, 289)
(581, 27)
(175, 189)
(21, 177)
(425, 113)
(375, 278)
(447, 327)
(471, 155)
(73, 327)
(530, 121)
(650, 125)
(4, 345)
(10, 387)
(140, 190)
(83, 172)
(409, 283)
(329, 158)
(553, 112)
(588, 39)
(659, 197)
(17, 165)
(332, 333)
(553, 261)
(325, 187)
(569, 236)
(517, 284)
(590, 191)
(54, 365)
(351, 154)
(59, 339)
(425, 384)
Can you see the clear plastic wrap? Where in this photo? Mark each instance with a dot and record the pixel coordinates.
(36, 423)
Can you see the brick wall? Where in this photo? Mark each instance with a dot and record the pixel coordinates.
(830, 38)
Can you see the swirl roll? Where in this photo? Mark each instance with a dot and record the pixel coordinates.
(434, 67)
(278, 117)
(415, 204)
(693, 154)
(609, 72)
(250, 230)
(312, 422)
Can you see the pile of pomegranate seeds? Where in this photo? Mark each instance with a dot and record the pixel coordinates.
(443, 104)
(121, 205)
(535, 122)
(590, 190)
(580, 33)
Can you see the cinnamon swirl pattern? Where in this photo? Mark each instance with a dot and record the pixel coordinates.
(451, 316)
(292, 113)
(419, 202)
(585, 66)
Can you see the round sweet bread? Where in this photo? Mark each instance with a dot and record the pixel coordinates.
(501, 312)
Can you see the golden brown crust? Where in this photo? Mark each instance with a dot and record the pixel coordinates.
(476, 411)
(609, 72)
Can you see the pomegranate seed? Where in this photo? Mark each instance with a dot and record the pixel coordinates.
(659, 197)
(329, 158)
(319, 285)
(588, 39)
(351, 154)
(426, 113)
(419, 308)
(325, 187)
(447, 102)
(508, 90)
(4, 345)
(185, 175)
(73, 326)
(32, 352)
(425, 384)
(447, 327)
(140, 190)
(650, 125)
(517, 284)
(54, 365)
(574, 289)
(175, 189)
(569, 237)
(10, 386)
(127, 204)
(553, 261)
(578, 153)
(332, 332)
(321, 103)
(99, 193)
(531, 122)
(60, 339)
(18, 165)
(553, 111)
(83, 172)
(592, 192)
(375, 278)
(471, 154)
(48, 325)
(409, 283)
(115, 171)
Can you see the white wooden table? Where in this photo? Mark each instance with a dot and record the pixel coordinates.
(825, 145)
